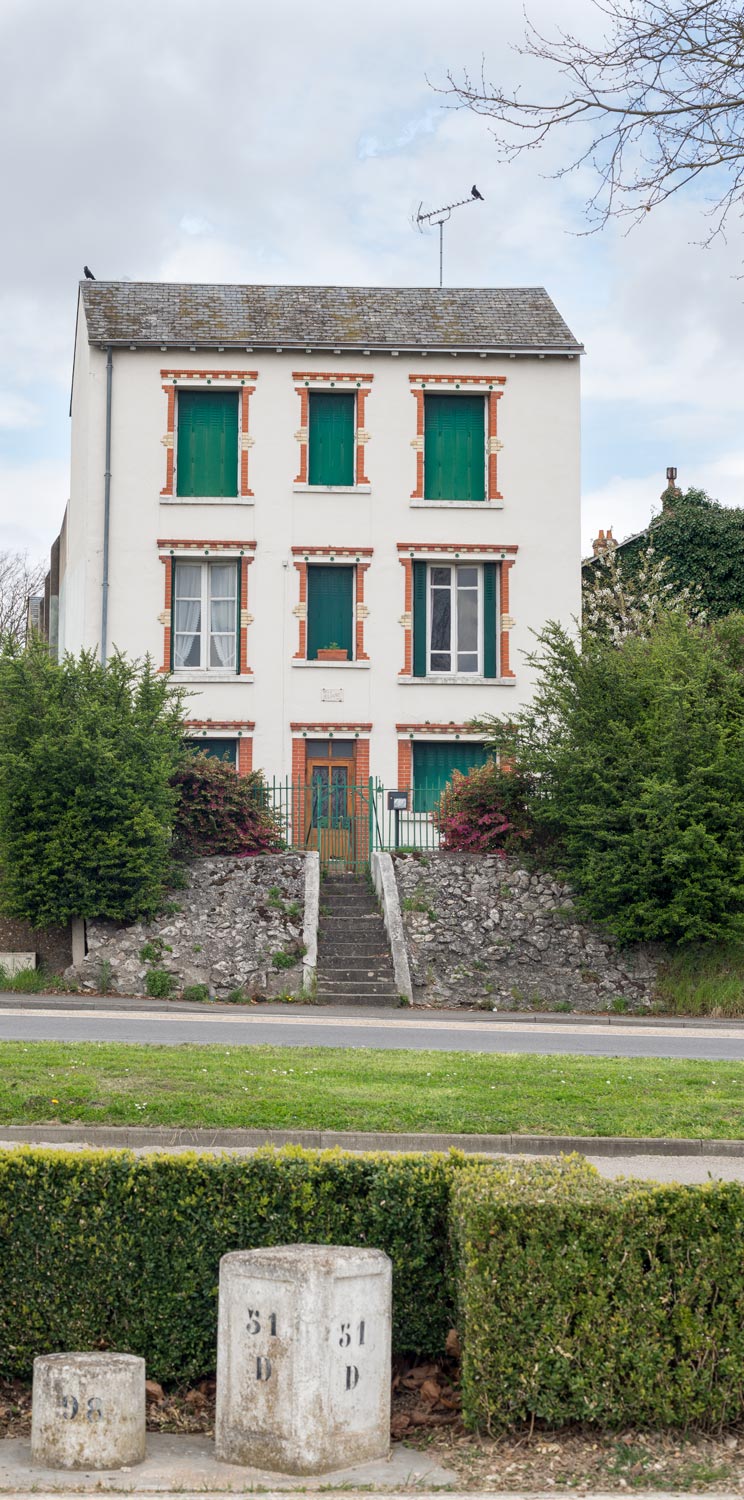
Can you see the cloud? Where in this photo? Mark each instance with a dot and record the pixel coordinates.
(17, 411)
(33, 496)
(627, 505)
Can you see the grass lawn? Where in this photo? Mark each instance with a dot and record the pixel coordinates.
(363, 1089)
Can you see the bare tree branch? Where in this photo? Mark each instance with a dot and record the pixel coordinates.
(18, 579)
(661, 97)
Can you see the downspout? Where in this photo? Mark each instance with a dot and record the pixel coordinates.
(106, 506)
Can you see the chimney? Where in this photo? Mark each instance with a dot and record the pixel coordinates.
(672, 491)
(603, 543)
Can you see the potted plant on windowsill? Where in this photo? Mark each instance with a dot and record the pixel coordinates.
(333, 652)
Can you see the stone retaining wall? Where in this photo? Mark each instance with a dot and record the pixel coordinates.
(480, 930)
(225, 930)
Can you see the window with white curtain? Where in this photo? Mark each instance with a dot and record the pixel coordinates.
(455, 627)
(205, 616)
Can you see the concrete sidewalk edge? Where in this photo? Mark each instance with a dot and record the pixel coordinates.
(160, 1138)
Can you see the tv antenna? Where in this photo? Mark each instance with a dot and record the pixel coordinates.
(439, 217)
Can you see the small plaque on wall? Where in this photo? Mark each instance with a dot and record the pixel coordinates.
(332, 695)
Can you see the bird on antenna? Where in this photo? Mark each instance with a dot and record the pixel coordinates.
(475, 194)
(88, 273)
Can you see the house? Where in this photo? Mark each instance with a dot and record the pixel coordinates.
(335, 514)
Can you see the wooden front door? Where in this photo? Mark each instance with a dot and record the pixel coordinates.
(328, 803)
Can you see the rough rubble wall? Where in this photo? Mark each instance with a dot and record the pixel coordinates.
(223, 930)
(482, 931)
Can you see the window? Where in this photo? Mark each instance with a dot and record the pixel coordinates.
(205, 616)
(454, 448)
(331, 438)
(454, 619)
(217, 749)
(433, 765)
(330, 611)
(207, 449)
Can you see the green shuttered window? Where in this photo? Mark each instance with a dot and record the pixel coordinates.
(331, 438)
(330, 609)
(216, 749)
(433, 764)
(449, 601)
(454, 448)
(207, 452)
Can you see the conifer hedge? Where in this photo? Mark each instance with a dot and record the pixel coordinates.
(614, 1303)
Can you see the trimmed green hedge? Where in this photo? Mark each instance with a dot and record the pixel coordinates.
(592, 1301)
(105, 1250)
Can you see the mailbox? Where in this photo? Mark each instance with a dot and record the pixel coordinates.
(397, 801)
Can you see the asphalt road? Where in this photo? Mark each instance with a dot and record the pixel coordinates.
(106, 1020)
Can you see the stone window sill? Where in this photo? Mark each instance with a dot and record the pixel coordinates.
(332, 489)
(457, 680)
(456, 505)
(334, 666)
(206, 499)
(181, 674)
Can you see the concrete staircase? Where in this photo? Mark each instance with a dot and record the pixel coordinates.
(354, 962)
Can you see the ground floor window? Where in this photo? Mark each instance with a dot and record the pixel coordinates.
(433, 764)
(217, 748)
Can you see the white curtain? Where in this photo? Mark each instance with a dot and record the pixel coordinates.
(188, 626)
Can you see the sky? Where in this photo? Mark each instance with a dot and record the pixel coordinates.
(240, 140)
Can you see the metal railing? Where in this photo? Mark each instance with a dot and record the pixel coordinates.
(346, 821)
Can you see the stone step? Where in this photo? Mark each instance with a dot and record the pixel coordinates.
(365, 986)
(341, 953)
(356, 976)
(349, 920)
(354, 998)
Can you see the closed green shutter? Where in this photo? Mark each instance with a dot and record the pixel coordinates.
(419, 619)
(330, 609)
(331, 438)
(433, 764)
(216, 749)
(489, 620)
(207, 453)
(454, 448)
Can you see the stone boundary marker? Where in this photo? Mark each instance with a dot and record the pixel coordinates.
(303, 1358)
(156, 1138)
(88, 1411)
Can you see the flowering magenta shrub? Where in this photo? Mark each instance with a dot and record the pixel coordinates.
(484, 812)
(220, 812)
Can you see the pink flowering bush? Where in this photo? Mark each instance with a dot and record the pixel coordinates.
(220, 812)
(484, 812)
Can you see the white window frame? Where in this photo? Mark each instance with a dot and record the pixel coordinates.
(205, 633)
(454, 670)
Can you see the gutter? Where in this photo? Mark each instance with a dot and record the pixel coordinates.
(106, 505)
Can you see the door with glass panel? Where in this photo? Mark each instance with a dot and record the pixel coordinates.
(205, 616)
(329, 822)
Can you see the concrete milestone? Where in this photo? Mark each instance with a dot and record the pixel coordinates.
(88, 1411)
(303, 1358)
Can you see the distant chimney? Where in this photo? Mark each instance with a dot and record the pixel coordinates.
(672, 491)
(604, 542)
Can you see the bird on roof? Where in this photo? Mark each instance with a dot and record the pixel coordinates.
(476, 194)
(88, 273)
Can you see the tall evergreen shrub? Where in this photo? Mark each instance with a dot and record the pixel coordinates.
(87, 755)
(638, 757)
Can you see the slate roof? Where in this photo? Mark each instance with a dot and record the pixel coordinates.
(152, 313)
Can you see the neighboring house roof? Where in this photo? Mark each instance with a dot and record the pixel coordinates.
(150, 314)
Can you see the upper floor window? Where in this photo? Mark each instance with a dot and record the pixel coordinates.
(454, 447)
(331, 438)
(454, 619)
(207, 443)
(206, 619)
(330, 612)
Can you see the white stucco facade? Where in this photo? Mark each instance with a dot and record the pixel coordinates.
(536, 521)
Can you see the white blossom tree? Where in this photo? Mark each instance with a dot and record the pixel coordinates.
(621, 598)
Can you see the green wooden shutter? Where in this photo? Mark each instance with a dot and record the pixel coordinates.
(454, 448)
(216, 749)
(433, 764)
(489, 620)
(172, 565)
(207, 453)
(239, 593)
(330, 609)
(419, 619)
(331, 438)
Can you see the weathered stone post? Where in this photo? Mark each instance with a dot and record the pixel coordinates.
(303, 1358)
(88, 1411)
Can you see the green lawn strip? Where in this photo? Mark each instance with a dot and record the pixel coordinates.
(362, 1089)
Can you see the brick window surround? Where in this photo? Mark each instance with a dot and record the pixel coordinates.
(238, 380)
(332, 380)
(492, 386)
(408, 733)
(173, 549)
(228, 729)
(410, 552)
(356, 556)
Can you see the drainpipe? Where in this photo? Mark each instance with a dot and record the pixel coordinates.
(106, 506)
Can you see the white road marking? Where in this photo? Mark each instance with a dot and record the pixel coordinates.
(542, 1028)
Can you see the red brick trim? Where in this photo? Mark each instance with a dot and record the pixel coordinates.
(167, 608)
(473, 549)
(439, 729)
(405, 765)
(245, 744)
(407, 619)
(220, 723)
(492, 386)
(504, 622)
(301, 613)
(187, 544)
(332, 552)
(231, 377)
(328, 729)
(322, 380)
